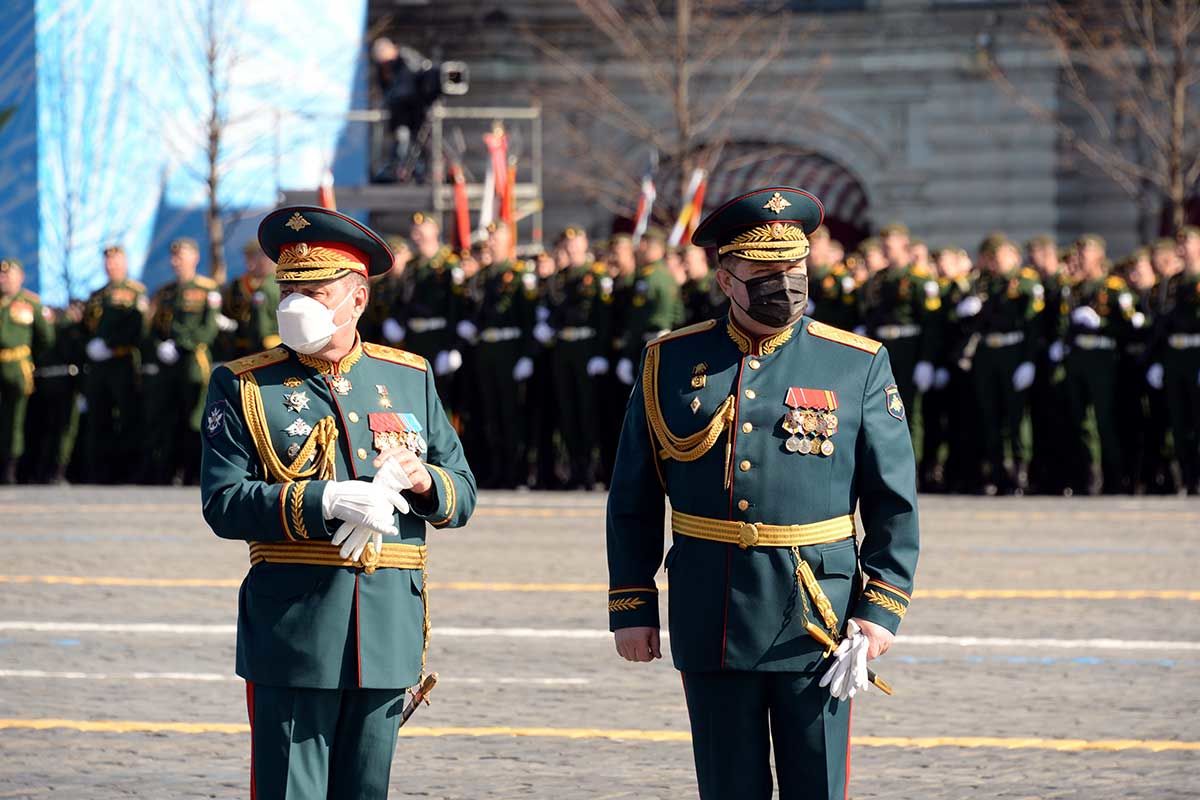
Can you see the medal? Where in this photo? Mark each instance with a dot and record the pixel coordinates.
(296, 401)
(792, 444)
(384, 400)
(805, 447)
(298, 428)
(810, 416)
(293, 450)
(827, 447)
(341, 384)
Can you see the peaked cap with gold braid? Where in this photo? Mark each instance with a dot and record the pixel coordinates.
(770, 224)
(310, 243)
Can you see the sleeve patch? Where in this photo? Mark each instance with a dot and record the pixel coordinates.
(895, 406)
(215, 416)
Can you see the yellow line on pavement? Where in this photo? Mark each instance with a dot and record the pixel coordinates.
(503, 586)
(624, 734)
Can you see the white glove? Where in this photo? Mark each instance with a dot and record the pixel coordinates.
(625, 371)
(968, 307)
(1138, 320)
(363, 504)
(523, 369)
(447, 362)
(225, 324)
(1056, 351)
(98, 350)
(1154, 376)
(1023, 376)
(542, 313)
(1087, 317)
(353, 540)
(597, 365)
(543, 333)
(392, 478)
(941, 377)
(168, 353)
(467, 330)
(848, 674)
(393, 331)
(923, 376)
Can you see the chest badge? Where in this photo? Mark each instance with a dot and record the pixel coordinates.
(810, 421)
(292, 383)
(295, 401)
(298, 428)
(389, 429)
(341, 384)
(699, 375)
(384, 400)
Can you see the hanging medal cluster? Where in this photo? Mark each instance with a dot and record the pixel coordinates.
(811, 421)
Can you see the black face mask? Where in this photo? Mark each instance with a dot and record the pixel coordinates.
(776, 300)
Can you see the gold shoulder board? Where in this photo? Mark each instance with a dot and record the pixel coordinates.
(823, 331)
(699, 327)
(394, 355)
(240, 366)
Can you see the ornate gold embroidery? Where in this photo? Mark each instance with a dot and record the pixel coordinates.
(297, 222)
(297, 509)
(626, 604)
(777, 203)
(823, 331)
(766, 347)
(776, 241)
(888, 602)
(326, 367)
(449, 494)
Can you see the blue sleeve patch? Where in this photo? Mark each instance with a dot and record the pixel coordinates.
(895, 406)
(215, 416)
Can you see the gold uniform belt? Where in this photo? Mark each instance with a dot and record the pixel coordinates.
(18, 353)
(324, 554)
(760, 534)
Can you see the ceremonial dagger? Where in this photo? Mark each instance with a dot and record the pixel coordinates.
(419, 695)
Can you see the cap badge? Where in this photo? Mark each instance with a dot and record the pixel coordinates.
(776, 204)
(297, 222)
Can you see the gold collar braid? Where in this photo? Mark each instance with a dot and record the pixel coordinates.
(748, 345)
(327, 367)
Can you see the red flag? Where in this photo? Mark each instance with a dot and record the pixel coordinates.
(462, 216)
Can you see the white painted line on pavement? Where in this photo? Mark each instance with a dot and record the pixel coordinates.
(205, 677)
(595, 633)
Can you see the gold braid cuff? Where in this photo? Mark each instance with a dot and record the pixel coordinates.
(680, 448)
(448, 493)
(322, 441)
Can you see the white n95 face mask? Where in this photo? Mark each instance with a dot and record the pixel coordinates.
(305, 324)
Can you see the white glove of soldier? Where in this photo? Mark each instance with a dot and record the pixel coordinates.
(391, 477)
(1023, 376)
(941, 377)
(968, 307)
(393, 331)
(625, 371)
(543, 333)
(923, 376)
(447, 362)
(98, 350)
(1086, 317)
(225, 324)
(1154, 376)
(353, 540)
(363, 504)
(848, 674)
(597, 365)
(1056, 351)
(168, 353)
(523, 369)
(1138, 320)
(467, 330)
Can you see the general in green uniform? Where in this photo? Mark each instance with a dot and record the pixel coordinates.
(114, 320)
(322, 442)
(765, 430)
(25, 335)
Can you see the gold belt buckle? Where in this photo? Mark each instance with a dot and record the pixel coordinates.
(747, 534)
(369, 558)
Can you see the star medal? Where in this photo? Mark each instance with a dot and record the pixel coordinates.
(298, 428)
(341, 384)
(384, 400)
(296, 401)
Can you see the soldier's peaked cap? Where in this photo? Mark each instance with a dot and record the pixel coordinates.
(310, 243)
(770, 224)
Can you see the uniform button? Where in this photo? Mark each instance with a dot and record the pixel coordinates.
(755, 363)
(744, 466)
(750, 395)
(743, 505)
(362, 454)
(747, 427)
(353, 416)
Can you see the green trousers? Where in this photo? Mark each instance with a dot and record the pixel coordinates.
(14, 400)
(575, 394)
(737, 717)
(503, 418)
(114, 408)
(310, 744)
(1091, 381)
(1000, 408)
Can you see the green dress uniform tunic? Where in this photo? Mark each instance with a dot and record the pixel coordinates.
(1178, 346)
(25, 336)
(251, 303)
(834, 295)
(764, 447)
(896, 306)
(114, 314)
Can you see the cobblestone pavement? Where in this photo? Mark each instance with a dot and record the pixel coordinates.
(1011, 647)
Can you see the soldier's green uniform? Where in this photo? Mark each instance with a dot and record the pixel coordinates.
(1002, 337)
(834, 294)
(114, 320)
(1048, 401)
(184, 313)
(327, 646)
(749, 515)
(1091, 372)
(430, 304)
(58, 382)
(25, 335)
(251, 303)
(1178, 350)
(654, 304)
(947, 422)
(896, 305)
(702, 299)
(579, 300)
